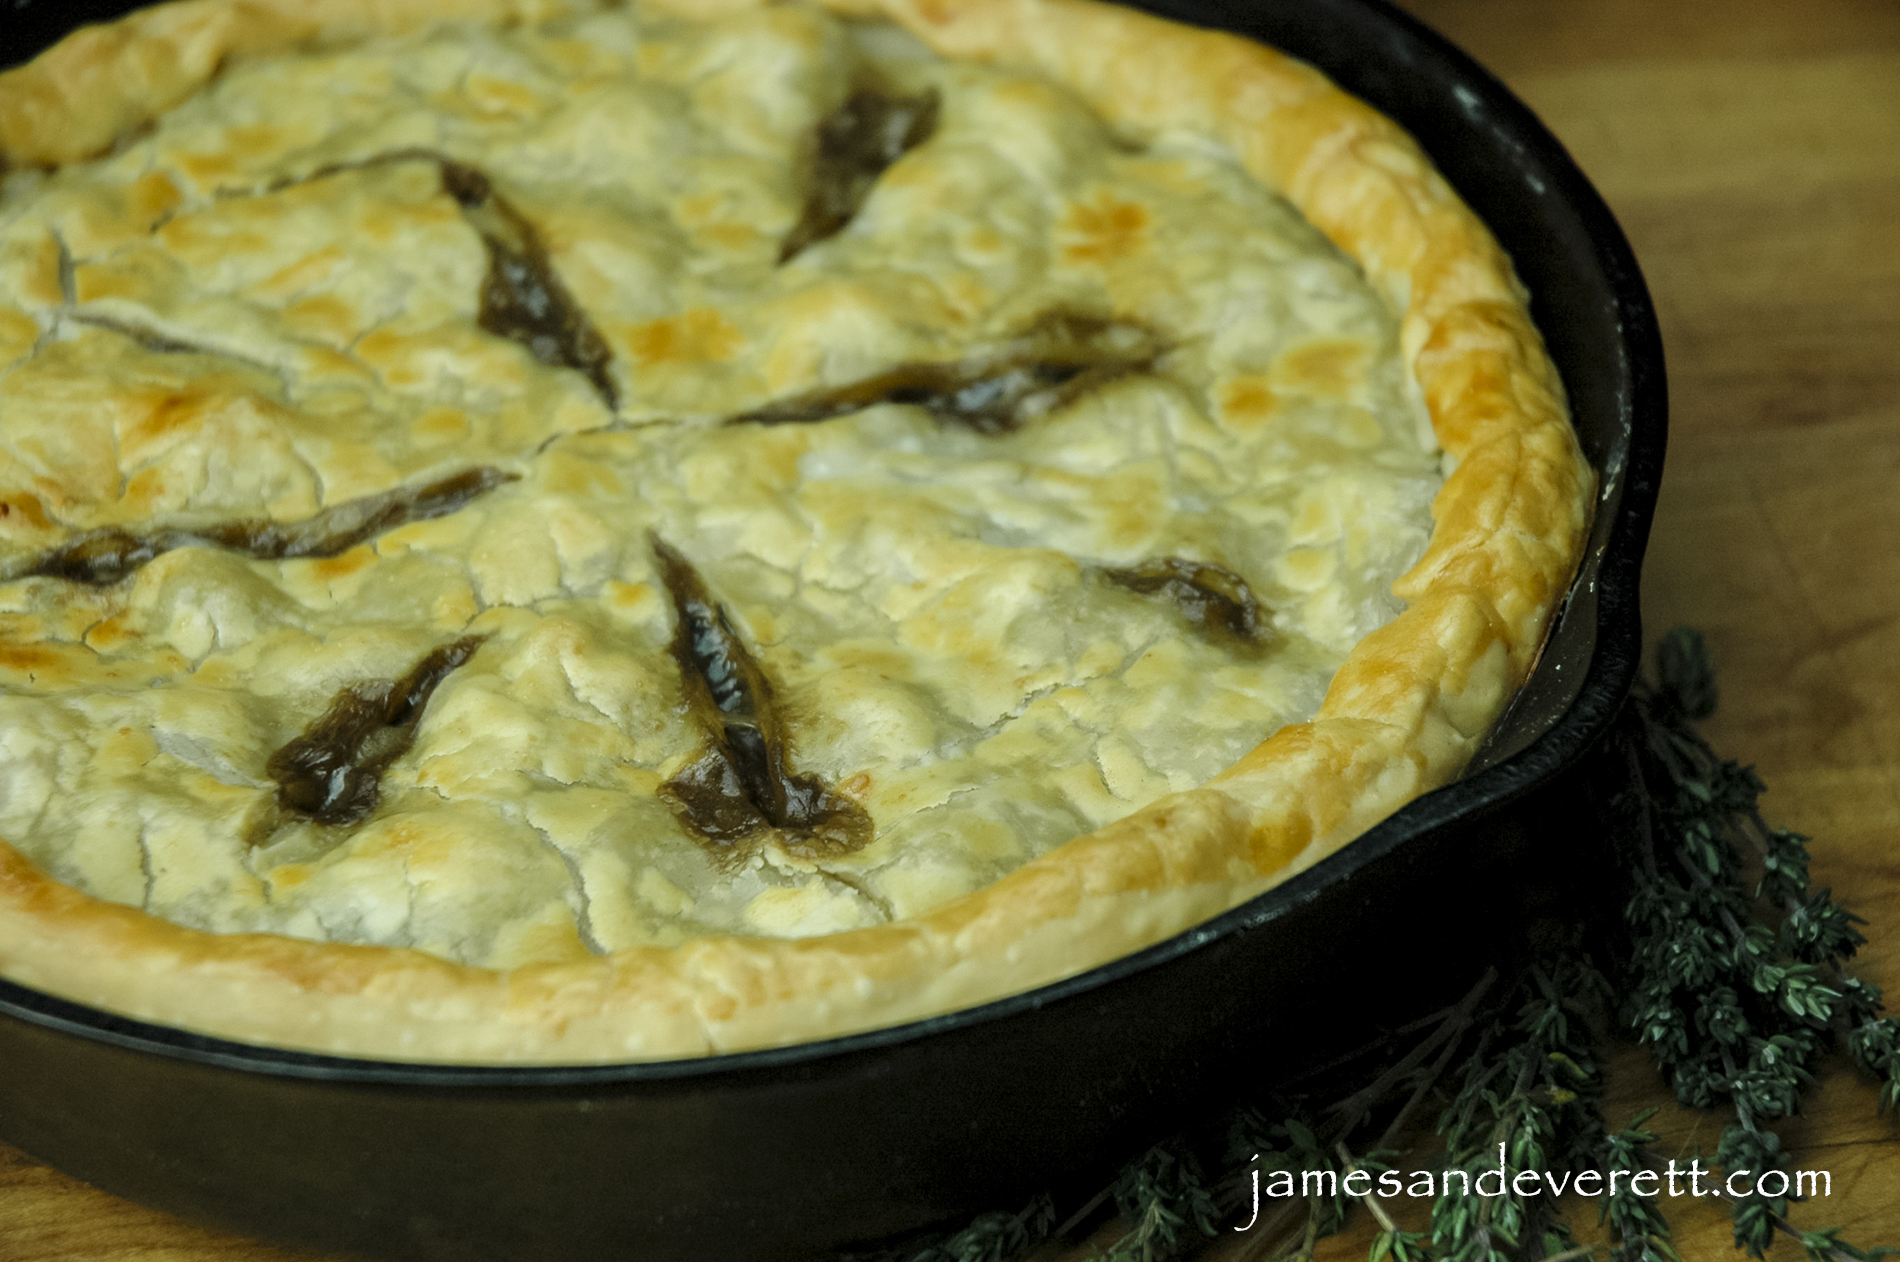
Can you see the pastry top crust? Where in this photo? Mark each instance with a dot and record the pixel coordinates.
(1405, 709)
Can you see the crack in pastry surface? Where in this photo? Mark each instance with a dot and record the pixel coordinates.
(152, 340)
(105, 556)
(1061, 358)
(332, 772)
(857, 142)
(743, 784)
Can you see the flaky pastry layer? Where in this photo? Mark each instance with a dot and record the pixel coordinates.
(1405, 710)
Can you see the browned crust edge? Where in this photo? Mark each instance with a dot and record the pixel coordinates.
(1403, 715)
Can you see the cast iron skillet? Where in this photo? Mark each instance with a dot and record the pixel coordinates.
(786, 1153)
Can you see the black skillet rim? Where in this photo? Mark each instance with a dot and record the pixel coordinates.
(1627, 500)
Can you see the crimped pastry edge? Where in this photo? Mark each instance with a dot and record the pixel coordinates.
(1402, 716)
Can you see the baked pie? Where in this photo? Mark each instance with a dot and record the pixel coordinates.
(536, 531)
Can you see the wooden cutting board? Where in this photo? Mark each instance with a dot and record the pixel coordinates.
(1751, 149)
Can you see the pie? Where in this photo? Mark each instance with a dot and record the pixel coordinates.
(536, 532)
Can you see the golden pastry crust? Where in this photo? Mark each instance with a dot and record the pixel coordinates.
(1403, 714)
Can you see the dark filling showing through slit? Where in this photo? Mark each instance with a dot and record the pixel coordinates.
(523, 298)
(332, 773)
(1216, 601)
(1061, 358)
(743, 784)
(106, 556)
(857, 142)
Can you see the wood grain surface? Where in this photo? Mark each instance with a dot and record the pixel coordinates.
(1751, 149)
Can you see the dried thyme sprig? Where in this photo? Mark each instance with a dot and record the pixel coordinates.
(1528, 1100)
(1735, 991)
(1641, 1232)
(1164, 1194)
(995, 1237)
